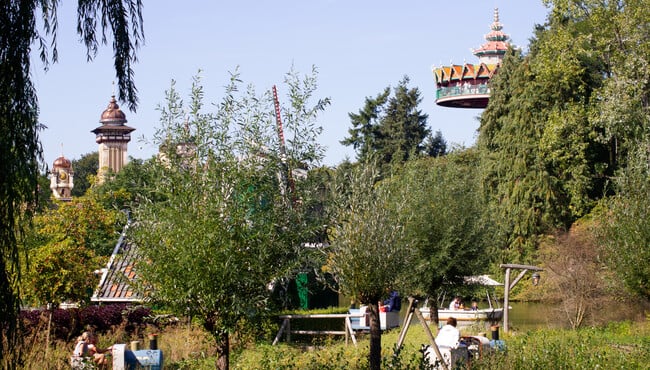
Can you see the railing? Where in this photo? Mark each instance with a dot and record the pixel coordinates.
(286, 326)
(459, 90)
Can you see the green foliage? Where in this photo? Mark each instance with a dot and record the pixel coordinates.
(367, 247)
(626, 224)
(62, 245)
(126, 189)
(85, 170)
(19, 146)
(59, 272)
(390, 129)
(542, 162)
(218, 226)
(84, 221)
(619, 346)
(443, 219)
(435, 145)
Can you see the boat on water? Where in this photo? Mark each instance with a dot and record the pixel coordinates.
(492, 314)
(466, 315)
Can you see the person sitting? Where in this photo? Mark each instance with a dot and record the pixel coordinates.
(86, 351)
(474, 306)
(455, 303)
(393, 303)
(449, 335)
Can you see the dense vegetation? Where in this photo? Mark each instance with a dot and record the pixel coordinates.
(558, 178)
(623, 345)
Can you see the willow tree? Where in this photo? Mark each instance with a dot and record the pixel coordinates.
(224, 217)
(442, 213)
(23, 26)
(367, 252)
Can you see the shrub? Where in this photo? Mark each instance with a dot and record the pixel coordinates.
(69, 323)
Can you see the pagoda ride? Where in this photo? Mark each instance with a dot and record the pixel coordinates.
(466, 85)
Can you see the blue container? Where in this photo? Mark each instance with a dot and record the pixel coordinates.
(150, 358)
(497, 344)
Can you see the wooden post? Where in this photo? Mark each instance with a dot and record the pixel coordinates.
(407, 322)
(288, 330)
(506, 300)
(508, 286)
(432, 340)
(282, 328)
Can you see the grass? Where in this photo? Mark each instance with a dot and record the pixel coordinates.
(624, 345)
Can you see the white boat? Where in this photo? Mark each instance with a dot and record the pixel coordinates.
(467, 316)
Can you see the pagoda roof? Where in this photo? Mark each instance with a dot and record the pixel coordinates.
(464, 72)
(497, 41)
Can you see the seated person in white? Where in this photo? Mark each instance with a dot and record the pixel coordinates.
(449, 335)
(455, 304)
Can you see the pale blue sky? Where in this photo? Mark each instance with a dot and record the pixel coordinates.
(359, 48)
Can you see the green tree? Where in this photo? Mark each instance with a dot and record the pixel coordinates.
(84, 220)
(435, 145)
(443, 218)
(389, 128)
(60, 271)
(85, 170)
(19, 145)
(126, 189)
(626, 224)
(367, 249)
(543, 166)
(227, 226)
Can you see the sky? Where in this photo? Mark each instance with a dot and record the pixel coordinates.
(359, 48)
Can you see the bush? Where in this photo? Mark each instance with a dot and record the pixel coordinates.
(69, 323)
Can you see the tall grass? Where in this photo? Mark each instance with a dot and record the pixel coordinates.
(624, 345)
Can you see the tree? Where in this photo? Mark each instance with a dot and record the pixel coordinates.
(60, 271)
(578, 275)
(19, 144)
(85, 168)
(389, 128)
(562, 118)
(367, 251)
(435, 146)
(226, 226)
(614, 34)
(62, 244)
(444, 221)
(542, 163)
(126, 189)
(626, 224)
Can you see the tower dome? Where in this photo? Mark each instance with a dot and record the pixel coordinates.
(62, 163)
(62, 179)
(466, 85)
(112, 136)
(113, 115)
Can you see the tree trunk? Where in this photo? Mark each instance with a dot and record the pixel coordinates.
(433, 313)
(223, 351)
(375, 337)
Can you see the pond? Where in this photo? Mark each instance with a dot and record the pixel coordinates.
(533, 315)
(525, 316)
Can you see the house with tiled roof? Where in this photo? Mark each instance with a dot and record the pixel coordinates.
(118, 277)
